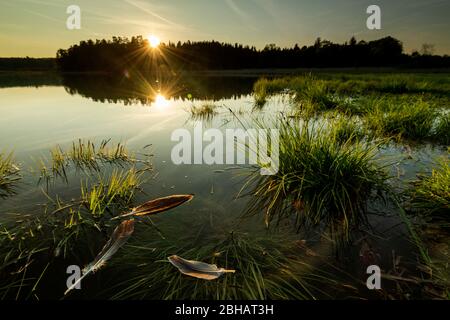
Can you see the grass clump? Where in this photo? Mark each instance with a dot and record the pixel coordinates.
(352, 94)
(205, 111)
(321, 180)
(59, 163)
(432, 193)
(441, 132)
(116, 191)
(311, 95)
(84, 155)
(117, 154)
(385, 83)
(405, 120)
(260, 101)
(264, 88)
(346, 129)
(9, 175)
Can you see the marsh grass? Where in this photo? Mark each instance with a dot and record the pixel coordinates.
(309, 95)
(117, 154)
(313, 93)
(431, 194)
(352, 94)
(116, 191)
(346, 129)
(441, 132)
(265, 269)
(404, 120)
(34, 246)
(84, 156)
(206, 111)
(397, 84)
(99, 201)
(434, 281)
(31, 246)
(434, 266)
(9, 175)
(59, 163)
(260, 93)
(260, 101)
(322, 180)
(32, 249)
(265, 87)
(385, 83)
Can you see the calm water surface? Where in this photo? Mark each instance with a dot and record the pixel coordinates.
(34, 119)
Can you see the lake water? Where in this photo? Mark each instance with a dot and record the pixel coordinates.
(35, 118)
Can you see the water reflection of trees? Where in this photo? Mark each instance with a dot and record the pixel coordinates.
(29, 79)
(131, 90)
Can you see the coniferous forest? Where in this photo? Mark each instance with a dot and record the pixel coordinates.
(119, 53)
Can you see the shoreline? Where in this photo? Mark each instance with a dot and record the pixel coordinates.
(245, 72)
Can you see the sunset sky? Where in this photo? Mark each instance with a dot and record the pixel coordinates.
(37, 28)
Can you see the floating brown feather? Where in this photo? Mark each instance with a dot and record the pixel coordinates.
(198, 269)
(158, 205)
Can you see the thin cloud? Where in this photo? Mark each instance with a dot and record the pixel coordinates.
(142, 6)
(241, 14)
(45, 3)
(237, 10)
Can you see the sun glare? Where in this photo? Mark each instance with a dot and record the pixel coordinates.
(160, 102)
(153, 41)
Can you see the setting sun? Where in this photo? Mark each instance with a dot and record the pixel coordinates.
(153, 41)
(161, 102)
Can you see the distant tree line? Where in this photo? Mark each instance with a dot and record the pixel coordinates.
(28, 64)
(119, 54)
(123, 53)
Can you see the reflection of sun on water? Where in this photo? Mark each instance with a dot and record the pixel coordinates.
(153, 41)
(161, 102)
